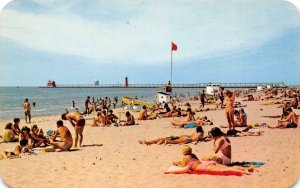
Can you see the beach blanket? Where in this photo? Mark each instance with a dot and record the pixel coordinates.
(248, 164)
(185, 170)
(190, 125)
(229, 173)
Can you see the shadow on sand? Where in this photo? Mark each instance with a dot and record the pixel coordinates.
(92, 145)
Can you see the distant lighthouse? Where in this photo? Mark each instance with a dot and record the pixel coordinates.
(126, 81)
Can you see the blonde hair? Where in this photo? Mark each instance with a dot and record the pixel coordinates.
(187, 150)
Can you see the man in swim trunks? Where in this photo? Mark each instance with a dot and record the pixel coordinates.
(78, 121)
(27, 108)
(290, 122)
(66, 141)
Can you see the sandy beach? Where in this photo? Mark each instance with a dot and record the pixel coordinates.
(112, 156)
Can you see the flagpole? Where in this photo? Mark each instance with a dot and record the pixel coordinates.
(171, 62)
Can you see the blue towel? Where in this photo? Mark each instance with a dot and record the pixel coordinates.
(190, 125)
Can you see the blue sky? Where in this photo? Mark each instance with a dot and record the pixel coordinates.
(82, 41)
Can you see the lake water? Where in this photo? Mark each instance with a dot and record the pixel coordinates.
(55, 100)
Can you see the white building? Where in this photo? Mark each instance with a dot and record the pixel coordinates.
(162, 97)
(260, 87)
(212, 89)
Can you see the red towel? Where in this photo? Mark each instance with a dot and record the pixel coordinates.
(229, 173)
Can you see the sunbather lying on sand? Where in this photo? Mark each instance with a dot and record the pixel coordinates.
(183, 121)
(290, 122)
(191, 162)
(183, 139)
(17, 151)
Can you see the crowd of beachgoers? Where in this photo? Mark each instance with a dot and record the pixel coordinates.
(180, 113)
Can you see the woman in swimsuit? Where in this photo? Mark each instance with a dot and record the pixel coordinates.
(221, 143)
(25, 135)
(129, 120)
(181, 122)
(183, 139)
(230, 98)
(191, 162)
(37, 136)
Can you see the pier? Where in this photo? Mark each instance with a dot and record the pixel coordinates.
(198, 85)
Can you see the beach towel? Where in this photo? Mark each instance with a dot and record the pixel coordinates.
(183, 170)
(229, 173)
(248, 164)
(190, 125)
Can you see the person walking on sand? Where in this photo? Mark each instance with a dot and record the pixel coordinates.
(202, 99)
(78, 122)
(27, 109)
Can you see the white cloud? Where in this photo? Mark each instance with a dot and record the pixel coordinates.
(200, 29)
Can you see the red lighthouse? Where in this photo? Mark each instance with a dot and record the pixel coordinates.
(51, 83)
(126, 81)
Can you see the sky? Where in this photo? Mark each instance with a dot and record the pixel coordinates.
(78, 42)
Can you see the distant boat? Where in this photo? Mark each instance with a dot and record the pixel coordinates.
(131, 101)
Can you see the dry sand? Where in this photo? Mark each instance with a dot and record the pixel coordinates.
(112, 156)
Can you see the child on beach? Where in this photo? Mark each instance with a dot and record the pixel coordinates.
(16, 129)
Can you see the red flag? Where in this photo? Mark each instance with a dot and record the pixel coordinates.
(174, 47)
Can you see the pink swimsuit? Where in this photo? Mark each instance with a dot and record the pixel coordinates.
(225, 159)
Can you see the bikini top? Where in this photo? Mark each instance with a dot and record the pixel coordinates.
(224, 145)
(191, 163)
